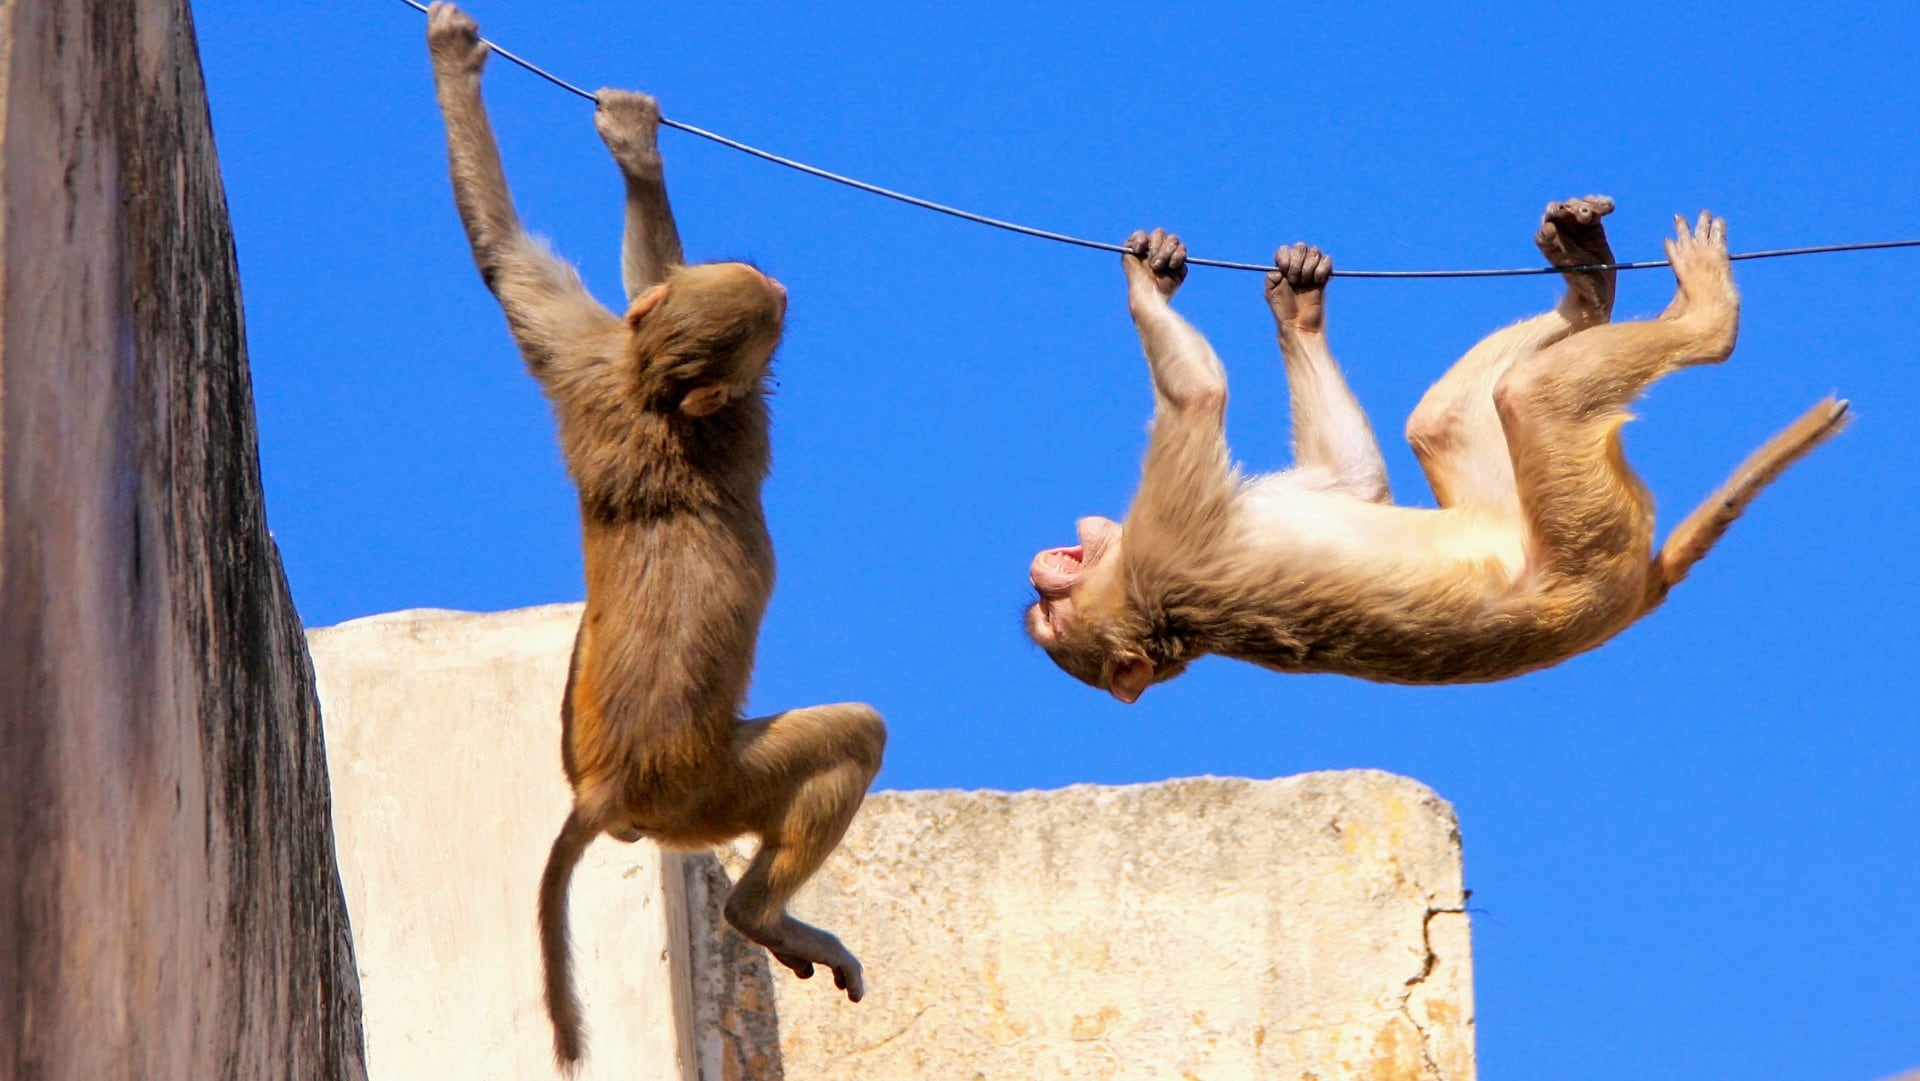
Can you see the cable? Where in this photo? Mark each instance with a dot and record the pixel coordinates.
(1082, 242)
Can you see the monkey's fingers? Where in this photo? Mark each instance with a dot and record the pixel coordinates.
(453, 38)
(447, 23)
(630, 106)
(1166, 255)
(1302, 267)
(1322, 269)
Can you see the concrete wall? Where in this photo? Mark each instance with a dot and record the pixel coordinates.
(1205, 928)
(168, 901)
(443, 731)
(1309, 927)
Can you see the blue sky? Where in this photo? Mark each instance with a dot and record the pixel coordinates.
(1695, 853)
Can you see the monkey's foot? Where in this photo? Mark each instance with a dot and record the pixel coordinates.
(1572, 235)
(1296, 286)
(1699, 258)
(1703, 271)
(629, 123)
(847, 975)
(801, 946)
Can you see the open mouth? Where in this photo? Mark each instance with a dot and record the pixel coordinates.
(1066, 560)
(1055, 570)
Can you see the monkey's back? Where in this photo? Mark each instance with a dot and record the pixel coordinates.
(1428, 641)
(1461, 605)
(679, 569)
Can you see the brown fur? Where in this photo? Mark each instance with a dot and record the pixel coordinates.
(1542, 545)
(663, 418)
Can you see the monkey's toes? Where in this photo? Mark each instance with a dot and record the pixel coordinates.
(1580, 212)
(1571, 233)
(1713, 230)
(1700, 262)
(1708, 234)
(848, 977)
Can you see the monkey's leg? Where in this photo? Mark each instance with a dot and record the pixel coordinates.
(808, 771)
(1331, 436)
(1455, 432)
(1562, 409)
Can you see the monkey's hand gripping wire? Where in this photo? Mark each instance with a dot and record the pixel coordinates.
(1082, 242)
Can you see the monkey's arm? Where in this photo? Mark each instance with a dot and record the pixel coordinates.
(1186, 480)
(547, 308)
(629, 123)
(1333, 445)
(1187, 376)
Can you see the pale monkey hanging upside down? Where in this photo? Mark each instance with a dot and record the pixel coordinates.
(1541, 547)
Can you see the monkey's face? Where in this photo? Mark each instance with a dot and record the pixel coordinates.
(1067, 578)
(1081, 618)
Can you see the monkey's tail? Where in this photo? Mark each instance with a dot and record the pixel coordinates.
(1690, 541)
(563, 1006)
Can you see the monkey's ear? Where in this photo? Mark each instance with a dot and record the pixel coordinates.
(1130, 677)
(645, 303)
(705, 401)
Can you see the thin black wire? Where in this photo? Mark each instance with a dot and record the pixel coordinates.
(1082, 242)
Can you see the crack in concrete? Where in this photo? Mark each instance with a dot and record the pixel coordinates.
(1427, 965)
(1426, 943)
(904, 1029)
(1431, 1066)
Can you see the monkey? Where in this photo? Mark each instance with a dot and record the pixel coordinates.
(663, 421)
(1541, 546)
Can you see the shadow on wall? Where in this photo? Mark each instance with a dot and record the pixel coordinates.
(736, 1021)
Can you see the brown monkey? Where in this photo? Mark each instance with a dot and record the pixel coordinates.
(1542, 545)
(663, 418)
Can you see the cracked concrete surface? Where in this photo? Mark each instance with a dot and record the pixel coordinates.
(1308, 928)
